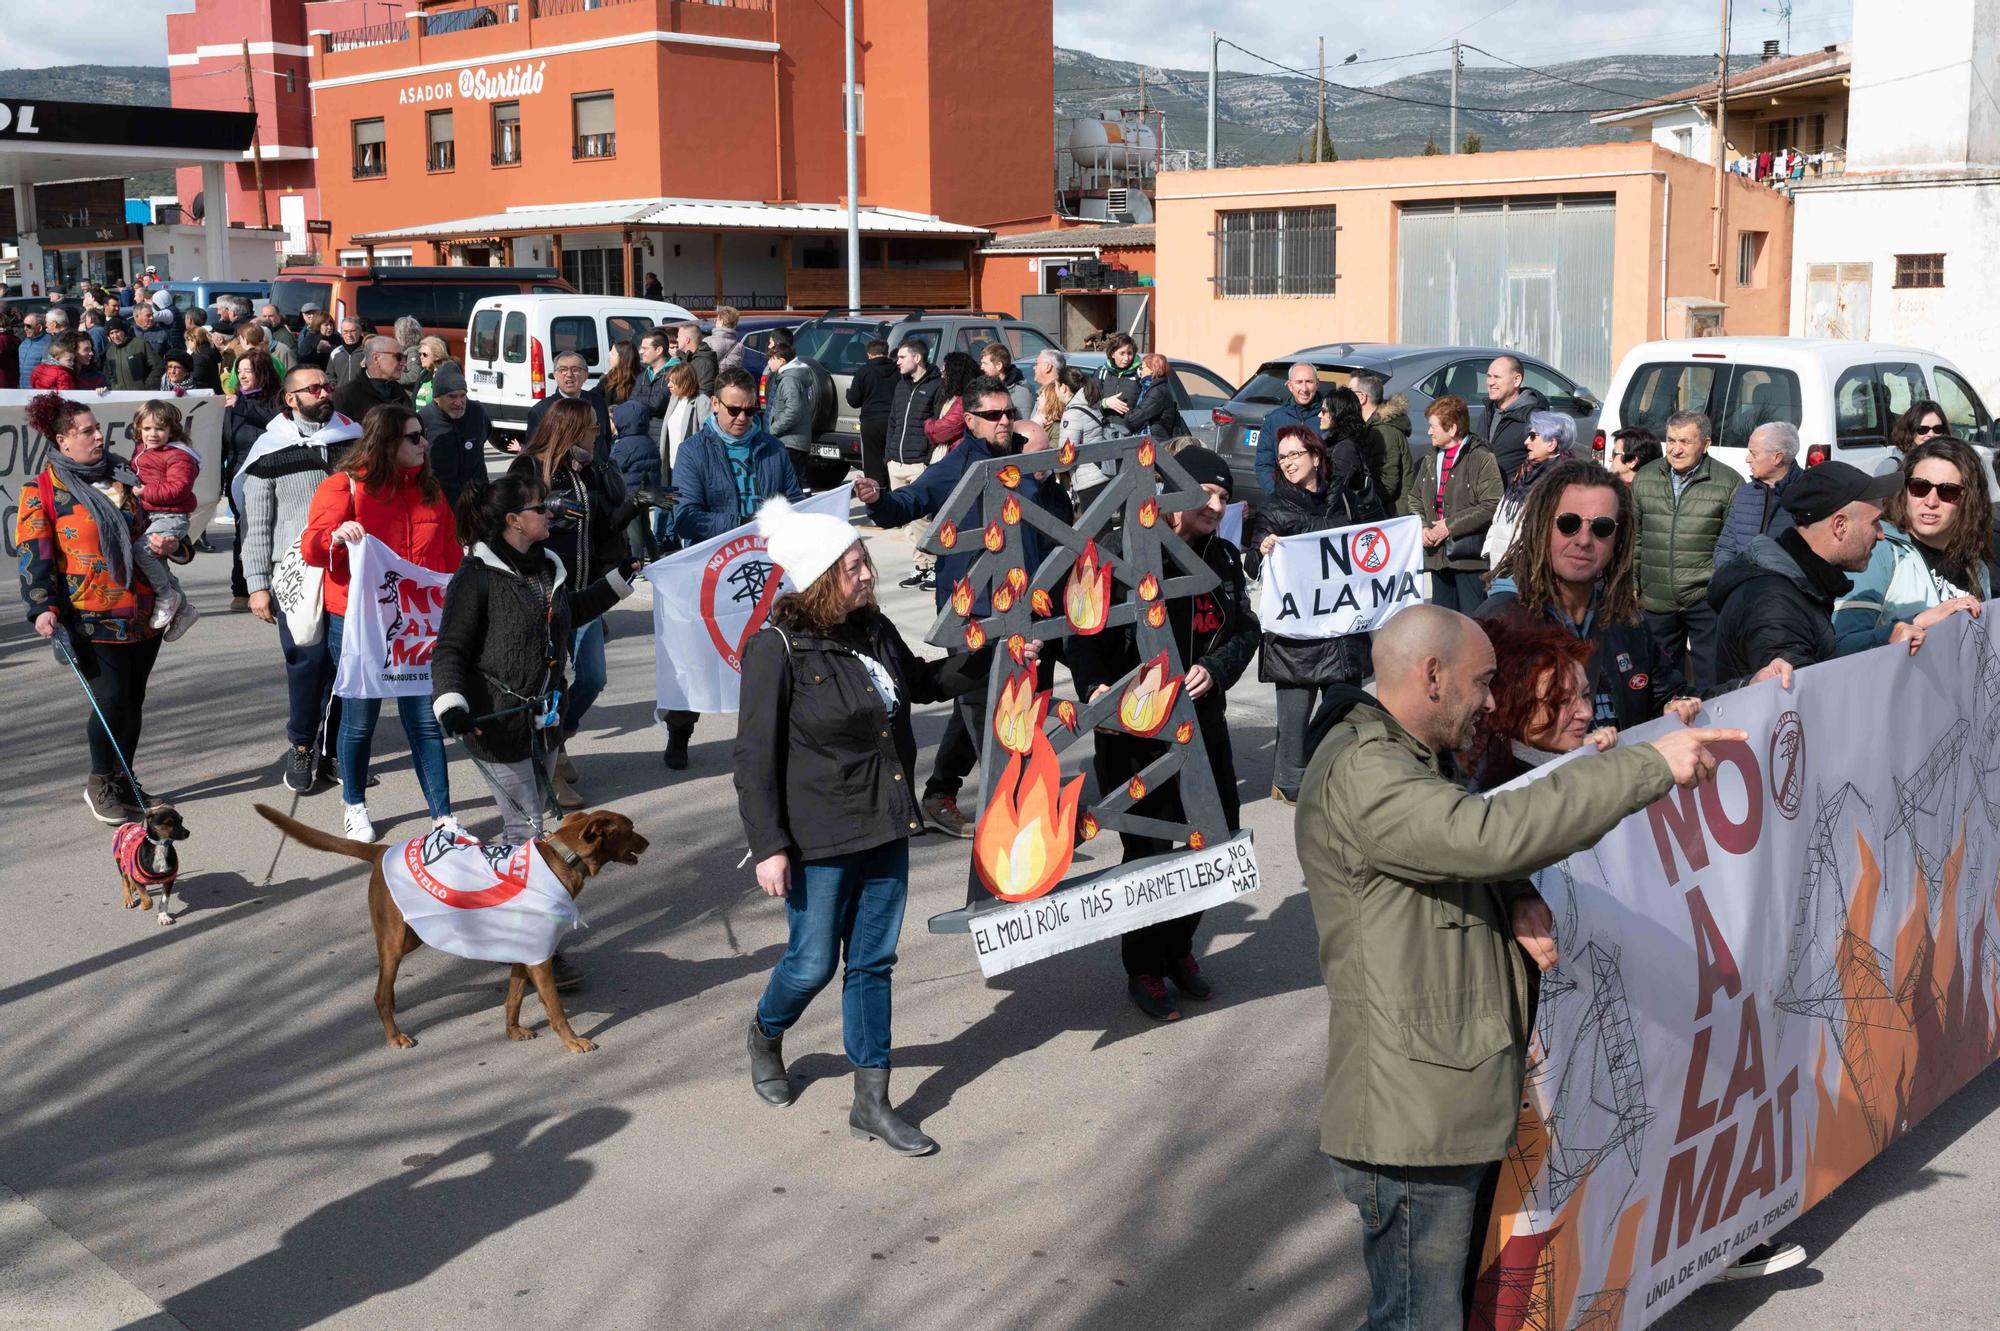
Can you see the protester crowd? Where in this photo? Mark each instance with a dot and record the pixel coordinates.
(1569, 601)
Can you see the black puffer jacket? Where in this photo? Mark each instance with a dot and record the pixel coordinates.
(1157, 413)
(1288, 512)
(243, 424)
(502, 644)
(1506, 432)
(914, 401)
(1774, 600)
(822, 769)
(600, 490)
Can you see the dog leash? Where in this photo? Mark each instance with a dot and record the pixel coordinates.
(61, 641)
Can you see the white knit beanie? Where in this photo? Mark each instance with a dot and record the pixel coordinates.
(805, 545)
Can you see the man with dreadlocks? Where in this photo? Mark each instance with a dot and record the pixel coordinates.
(1572, 563)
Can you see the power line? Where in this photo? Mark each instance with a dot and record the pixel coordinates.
(1419, 101)
(1547, 74)
(1172, 76)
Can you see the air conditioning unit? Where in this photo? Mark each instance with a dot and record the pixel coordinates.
(1119, 204)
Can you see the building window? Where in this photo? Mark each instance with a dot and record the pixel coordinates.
(1275, 252)
(1919, 270)
(596, 127)
(1750, 258)
(371, 149)
(506, 134)
(1684, 142)
(595, 272)
(443, 155)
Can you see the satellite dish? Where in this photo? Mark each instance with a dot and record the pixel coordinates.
(199, 207)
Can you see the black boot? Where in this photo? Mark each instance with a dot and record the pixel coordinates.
(873, 1119)
(767, 1066)
(676, 756)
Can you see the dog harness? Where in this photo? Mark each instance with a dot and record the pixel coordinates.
(128, 844)
(485, 901)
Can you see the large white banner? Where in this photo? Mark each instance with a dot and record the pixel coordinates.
(1763, 983)
(24, 452)
(393, 609)
(707, 601)
(1327, 584)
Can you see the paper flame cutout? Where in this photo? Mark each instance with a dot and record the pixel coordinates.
(1088, 827)
(961, 598)
(1087, 597)
(1044, 605)
(1149, 587)
(1144, 455)
(1017, 579)
(1196, 841)
(1019, 712)
(1027, 832)
(948, 535)
(1017, 647)
(1010, 512)
(1010, 476)
(1136, 788)
(975, 636)
(1067, 453)
(1149, 512)
(1183, 732)
(1066, 713)
(1003, 599)
(995, 537)
(1156, 614)
(1149, 699)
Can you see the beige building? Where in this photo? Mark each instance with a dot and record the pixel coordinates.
(1794, 102)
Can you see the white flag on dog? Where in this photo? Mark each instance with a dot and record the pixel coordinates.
(1327, 584)
(393, 609)
(707, 601)
(487, 902)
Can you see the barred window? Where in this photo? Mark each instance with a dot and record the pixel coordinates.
(1275, 252)
(1919, 270)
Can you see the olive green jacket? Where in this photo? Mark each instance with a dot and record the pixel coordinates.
(1472, 496)
(1427, 1038)
(1677, 539)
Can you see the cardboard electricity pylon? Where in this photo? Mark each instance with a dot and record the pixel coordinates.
(1032, 819)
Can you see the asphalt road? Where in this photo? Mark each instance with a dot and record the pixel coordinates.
(201, 1126)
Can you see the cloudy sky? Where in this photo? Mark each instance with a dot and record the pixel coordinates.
(1170, 32)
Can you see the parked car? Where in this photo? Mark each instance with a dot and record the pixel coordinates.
(441, 299)
(26, 305)
(1198, 390)
(1842, 395)
(1420, 374)
(838, 343)
(512, 341)
(201, 295)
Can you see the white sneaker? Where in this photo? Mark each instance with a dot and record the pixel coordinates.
(354, 817)
(167, 605)
(183, 620)
(452, 825)
(1766, 1259)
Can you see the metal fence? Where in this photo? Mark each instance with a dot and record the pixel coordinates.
(1275, 252)
(380, 34)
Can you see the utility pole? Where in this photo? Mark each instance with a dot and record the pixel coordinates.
(1212, 43)
(853, 179)
(256, 142)
(1319, 125)
(1142, 92)
(1720, 211)
(1454, 97)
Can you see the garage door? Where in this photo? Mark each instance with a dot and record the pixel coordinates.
(1532, 275)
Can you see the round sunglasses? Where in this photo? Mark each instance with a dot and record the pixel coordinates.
(1569, 524)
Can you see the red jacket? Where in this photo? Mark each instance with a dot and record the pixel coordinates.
(418, 529)
(51, 375)
(168, 474)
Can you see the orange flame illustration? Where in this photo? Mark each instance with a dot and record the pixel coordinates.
(1156, 613)
(1183, 732)
(1010, 476)
(1027, 832)
(1088, 827)
(1066, 713)
(1017, 578)
(948, 535)
(1087, 598)
(1136, 788)
(1010, 512)
(1149, 587)
(1196, 841)
(1149, 512)
(975, 636)
(1145, 454)
(1043, 604)
(1067, 453)
(1018, 715)
(1149, 698)
(1003, 599)
(961, 598)
(1017, 647)
(995, 537)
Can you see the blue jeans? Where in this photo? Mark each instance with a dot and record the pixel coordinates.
(357, 735)
(587, 673)
(850, 905)
(309, 686)
(1416, 1237)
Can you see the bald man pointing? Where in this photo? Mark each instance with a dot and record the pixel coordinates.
(1416, 889)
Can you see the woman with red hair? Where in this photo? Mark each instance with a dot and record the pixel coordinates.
(1157, 413)
(1542, 701)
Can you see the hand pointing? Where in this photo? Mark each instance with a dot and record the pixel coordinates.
(1687, 753)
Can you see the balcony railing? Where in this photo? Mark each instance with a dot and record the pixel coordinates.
(507, 154)
(380, 34)
(368, 164)
(443, 156)
(555, 8)
(595, 145)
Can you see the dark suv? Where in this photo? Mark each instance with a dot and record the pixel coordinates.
(838, 343)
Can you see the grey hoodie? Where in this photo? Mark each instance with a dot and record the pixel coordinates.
(275, 487)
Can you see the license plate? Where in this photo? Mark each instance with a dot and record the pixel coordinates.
(482, 376)
(827, 450)
(1250, 438)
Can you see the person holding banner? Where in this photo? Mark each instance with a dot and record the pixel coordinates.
(1215, 633)
(1456, 493)
(1314, 492)
(1428, 1034)
(384, 489)
(825, 758)
(1933, 559)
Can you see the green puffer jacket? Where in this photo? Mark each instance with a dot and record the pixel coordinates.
(1410, 879)
(1677, 540)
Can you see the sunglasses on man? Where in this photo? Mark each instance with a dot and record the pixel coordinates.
(320, 389)
(736, 411)
(1949, 492)
(997, 414)
(1569, 524)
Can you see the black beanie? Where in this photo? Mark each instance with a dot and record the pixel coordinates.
(1207, 468)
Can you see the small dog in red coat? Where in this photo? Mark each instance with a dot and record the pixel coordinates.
(145, 855)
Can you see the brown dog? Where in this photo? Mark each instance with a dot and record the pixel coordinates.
(145, 855)
(581, 846)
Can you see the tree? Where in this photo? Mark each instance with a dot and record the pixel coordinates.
(1431, 148)
(1319, 144)
(1471, 145)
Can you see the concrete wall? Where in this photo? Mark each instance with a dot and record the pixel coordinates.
(1873, 224)
(1923, 92)
(1701, 145)
(253, 255)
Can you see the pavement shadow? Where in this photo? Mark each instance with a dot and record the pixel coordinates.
(403, 1228)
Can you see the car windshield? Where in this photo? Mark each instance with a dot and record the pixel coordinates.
(839, 348)
(291, 296)
(1267, 387)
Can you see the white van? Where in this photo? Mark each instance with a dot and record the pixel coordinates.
(512, 341)
(1842, 395)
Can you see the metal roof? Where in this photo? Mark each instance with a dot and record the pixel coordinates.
(1756, 80)
(721, 214)
(1134, 236)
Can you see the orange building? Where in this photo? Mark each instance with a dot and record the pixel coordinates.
(699, 142)
(1571, 254)
(1073, 280)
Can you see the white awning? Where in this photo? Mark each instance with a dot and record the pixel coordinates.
(699, 214)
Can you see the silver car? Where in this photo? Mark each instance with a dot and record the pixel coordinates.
(1198, 390)
(1420, 374)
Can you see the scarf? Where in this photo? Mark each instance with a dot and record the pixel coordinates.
(114, 534)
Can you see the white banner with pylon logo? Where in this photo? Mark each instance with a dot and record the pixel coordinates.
(1327, 584)
(1763, 983)
(707, 601)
